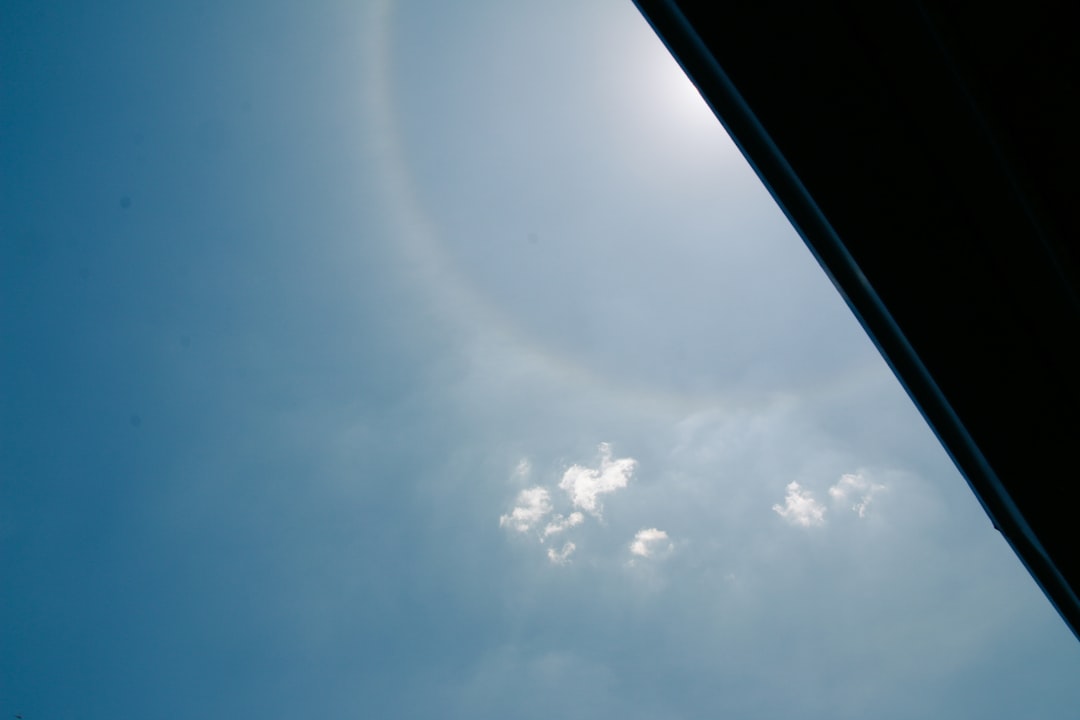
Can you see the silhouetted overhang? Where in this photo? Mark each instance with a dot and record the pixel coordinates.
(927, 153)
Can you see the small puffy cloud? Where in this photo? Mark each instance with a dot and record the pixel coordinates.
(585, 485)
(561, 557)
(800, 507)
(530, 508)
(647, 542)
(560, 523)
(539, 514)
(857, 488)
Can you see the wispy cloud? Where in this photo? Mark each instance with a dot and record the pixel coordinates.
(560, 523)
(585, 485)
(855, 487)
(561, 557)
(647, 542)
(530, 508)
(800, 507)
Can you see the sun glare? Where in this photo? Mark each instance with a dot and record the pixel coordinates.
(676, 97)
(680, 97)
(679, 117)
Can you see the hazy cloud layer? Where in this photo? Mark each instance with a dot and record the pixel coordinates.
(328, 429)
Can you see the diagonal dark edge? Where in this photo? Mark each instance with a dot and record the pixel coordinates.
(753, 140)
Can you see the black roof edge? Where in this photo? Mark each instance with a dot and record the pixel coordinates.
(738, 118)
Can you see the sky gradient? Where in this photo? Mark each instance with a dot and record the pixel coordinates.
(415, 359)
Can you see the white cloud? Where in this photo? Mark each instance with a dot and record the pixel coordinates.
(560, 523)
(646, 542)
(857, 487)
(584, 485)
(531, 507)
(561, 557)
(800, 507)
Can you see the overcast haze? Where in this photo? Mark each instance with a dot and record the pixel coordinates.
(446, 360)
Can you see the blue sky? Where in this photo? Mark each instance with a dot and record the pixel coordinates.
(412, 359)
